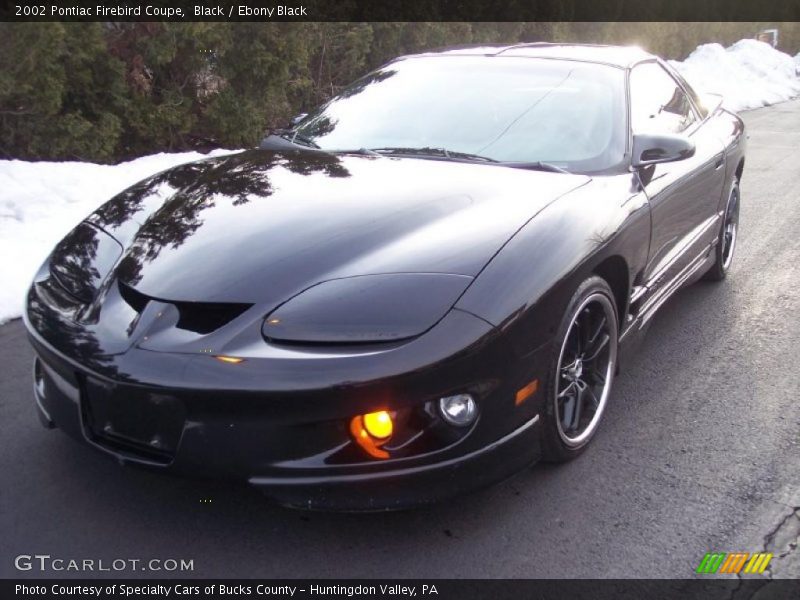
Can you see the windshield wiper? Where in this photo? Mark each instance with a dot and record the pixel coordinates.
(536, 165)
(452, 154)
(427, 151)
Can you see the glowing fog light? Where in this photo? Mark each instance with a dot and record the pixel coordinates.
(459, 410)
(371, 431)
(378, 424)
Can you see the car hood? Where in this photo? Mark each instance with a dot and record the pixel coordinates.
(260, 226)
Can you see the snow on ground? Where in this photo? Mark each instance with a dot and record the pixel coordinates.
(41, 201)
(748, 74)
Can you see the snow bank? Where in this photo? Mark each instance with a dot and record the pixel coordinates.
(748, 74)
(41, 201)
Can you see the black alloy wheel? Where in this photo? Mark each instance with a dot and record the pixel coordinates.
(583, 372)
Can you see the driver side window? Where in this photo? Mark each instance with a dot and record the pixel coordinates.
(658, 104)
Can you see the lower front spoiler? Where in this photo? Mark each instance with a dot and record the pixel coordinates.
(398, 489)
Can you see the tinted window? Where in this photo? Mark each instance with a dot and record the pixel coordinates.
(658, 104)
(507, 108)
(698, 102)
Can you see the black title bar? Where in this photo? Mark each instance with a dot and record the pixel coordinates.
(401, 10)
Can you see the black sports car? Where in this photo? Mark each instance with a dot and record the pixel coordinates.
(415, 290)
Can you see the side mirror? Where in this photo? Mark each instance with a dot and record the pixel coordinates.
(651, 149)
(295, 121)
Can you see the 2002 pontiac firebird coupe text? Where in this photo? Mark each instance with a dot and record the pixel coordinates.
(418, 289)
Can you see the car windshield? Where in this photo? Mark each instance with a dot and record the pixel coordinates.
(511, 109)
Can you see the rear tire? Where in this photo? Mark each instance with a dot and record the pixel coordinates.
(726, 243)
(584, 359)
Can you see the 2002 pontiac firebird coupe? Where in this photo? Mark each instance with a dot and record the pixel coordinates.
(417, 289)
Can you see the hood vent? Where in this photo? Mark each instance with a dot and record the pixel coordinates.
(198, 317)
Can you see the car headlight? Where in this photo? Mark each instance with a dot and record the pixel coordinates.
(366, 308)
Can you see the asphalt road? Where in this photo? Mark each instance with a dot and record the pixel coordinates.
(698, 451)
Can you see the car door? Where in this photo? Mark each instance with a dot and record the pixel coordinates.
(683, 195)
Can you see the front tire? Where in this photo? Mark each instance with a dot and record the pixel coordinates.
(582, 371)
(726, 243)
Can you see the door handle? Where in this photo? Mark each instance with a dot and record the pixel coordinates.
(719, 161)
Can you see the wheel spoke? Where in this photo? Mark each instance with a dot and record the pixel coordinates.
(597, 347)
(598, 331)
(598, 376)
(585, 329)
(579, 399)
(575, 334)
(592, 398)
(569, 367)
(569, 411)
(569, 387)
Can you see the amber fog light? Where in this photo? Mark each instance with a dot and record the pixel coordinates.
(372, 430)
(459, 410)
(379, 424)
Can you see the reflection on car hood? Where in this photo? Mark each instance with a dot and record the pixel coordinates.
(259, 226)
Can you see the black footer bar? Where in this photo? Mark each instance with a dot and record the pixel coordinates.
(438, 589)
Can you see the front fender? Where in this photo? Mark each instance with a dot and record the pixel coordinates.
(527, 285)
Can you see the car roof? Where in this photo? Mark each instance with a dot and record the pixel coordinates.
(618, 56)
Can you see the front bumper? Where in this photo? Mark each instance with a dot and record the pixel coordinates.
(413, 486)
(280, 421)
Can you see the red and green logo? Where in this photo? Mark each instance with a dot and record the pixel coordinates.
(734, 562)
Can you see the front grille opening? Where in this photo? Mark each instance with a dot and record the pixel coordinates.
(136, 300)
(133, 448)
(198, 317)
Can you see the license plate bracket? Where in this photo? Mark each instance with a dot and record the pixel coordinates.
(137, 422)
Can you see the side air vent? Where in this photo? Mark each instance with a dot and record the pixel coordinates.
(199, 317)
